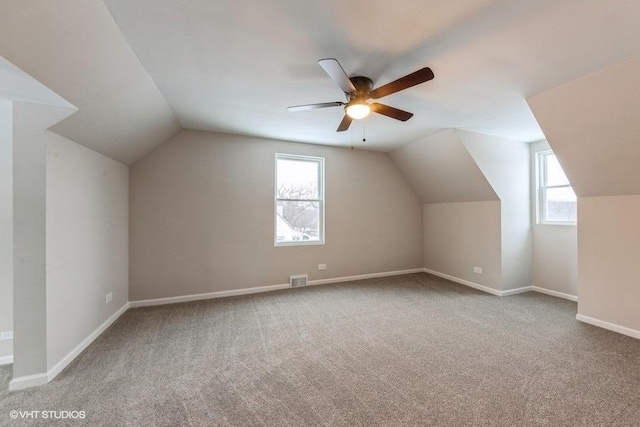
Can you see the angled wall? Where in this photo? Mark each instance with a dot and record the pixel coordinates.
(461, 212)
(593, 126)
(475, 190)
(441, 170)
(69, 221)
(75, 48)
(505, 165)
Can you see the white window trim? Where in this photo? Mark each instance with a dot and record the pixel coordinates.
(320, 161)
(541, 188)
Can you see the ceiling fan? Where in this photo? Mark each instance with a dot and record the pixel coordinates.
(358, 90)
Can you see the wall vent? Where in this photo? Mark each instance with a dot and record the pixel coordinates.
(296, 281)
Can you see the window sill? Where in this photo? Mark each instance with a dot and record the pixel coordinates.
(307, 243)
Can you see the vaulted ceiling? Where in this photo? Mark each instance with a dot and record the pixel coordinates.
(138, 70)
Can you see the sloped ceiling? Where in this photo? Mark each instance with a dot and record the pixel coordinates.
(593, 126)
(75, 48)
(503, 162)
(235, 66)
(441, 170)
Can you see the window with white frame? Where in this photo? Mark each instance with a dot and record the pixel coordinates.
(557, 203)
(299, 204)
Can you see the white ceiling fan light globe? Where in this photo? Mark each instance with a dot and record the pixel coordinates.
(358, 111)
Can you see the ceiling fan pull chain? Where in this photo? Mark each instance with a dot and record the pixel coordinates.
(352, 138)
(364, 131)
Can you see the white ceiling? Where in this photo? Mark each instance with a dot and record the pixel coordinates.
(75, 48)
(235, 66)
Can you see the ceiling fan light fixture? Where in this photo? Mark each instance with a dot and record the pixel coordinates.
(358, 110)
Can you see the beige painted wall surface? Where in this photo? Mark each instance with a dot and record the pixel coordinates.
(87, 242)
(6, 224)
(593, 125)
(609, 249)
(30, 235)
(202, 217)
(441, 170)
(555, 247)
(505, 164)
(463, 235)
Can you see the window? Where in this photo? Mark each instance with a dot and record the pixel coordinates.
(557, 203)
(299, 215)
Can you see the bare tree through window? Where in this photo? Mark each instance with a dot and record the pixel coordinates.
(299, 199)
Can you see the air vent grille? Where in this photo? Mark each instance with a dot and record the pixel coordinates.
(300, 280)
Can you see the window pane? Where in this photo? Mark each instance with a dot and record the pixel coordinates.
(561, 204)
(555, 174)
(297, 179)
(297, 221)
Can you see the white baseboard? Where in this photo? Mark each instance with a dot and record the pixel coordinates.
(64, 362)
(28, 381)
(516, 291)
(209, 295)
(464, 282)
(365, 276)
(245, 291)
(610, 326)
(554, 293)
(478, 286)
(6, 360)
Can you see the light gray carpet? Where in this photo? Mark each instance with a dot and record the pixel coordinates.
(409, 350)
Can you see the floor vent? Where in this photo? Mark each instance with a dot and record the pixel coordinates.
(296, 281)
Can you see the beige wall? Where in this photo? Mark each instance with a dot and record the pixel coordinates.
(458, 166)
(555, 247)
(461, 236)
(29, 236)
(6, 225)
(87, 242)
(202, 217)
(441, 170)
(505, 164)
(593, 126)
(609, 250)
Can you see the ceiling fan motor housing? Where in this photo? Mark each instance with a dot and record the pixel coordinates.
(363, 86)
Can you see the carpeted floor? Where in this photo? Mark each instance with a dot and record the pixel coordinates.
(408, 350)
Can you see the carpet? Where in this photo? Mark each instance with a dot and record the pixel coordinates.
(406, 350)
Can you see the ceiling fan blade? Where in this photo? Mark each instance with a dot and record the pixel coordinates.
(314, 106)
(344, 124)
(394, 113)
(415, 78)
(332, 67)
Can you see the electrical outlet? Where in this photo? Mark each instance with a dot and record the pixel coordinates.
(109, 297)
(322, 266)
(477, 270)
(6, 335)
